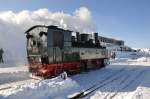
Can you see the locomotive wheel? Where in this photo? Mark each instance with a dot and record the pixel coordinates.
(83, 66)
(58, 71)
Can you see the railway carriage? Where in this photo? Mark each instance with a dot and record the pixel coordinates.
(52, 50)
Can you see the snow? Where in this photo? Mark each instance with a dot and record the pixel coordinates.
(127, 77)
(14, 69)
(11, 74)
(143, 59)
(47, 89)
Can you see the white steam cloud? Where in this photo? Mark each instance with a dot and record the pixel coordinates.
(13, 25)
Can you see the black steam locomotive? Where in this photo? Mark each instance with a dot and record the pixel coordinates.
(52, 50)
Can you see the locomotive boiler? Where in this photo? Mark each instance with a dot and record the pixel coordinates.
(52, 50)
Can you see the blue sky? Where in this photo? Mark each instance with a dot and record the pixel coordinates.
(122, 19)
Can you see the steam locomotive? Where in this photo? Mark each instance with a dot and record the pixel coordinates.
(52, 50)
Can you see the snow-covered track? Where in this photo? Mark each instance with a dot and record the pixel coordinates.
(109, 81)
(126, 85)
(100, 84)
(120, 82)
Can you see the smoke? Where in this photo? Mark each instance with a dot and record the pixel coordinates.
(13, 25)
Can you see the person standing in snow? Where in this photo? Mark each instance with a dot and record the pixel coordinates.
(113, 55)
(1, 56)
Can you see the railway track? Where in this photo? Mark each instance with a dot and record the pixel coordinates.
(126, 85)
(99, 84)
(120, 83)
(114, 80)
(119, 76)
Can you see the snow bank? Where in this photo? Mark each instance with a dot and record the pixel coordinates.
(142, 59)
(141, 93)
(47, 89)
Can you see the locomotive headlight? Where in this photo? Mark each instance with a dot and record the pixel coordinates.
(40, 60)
(43, 71)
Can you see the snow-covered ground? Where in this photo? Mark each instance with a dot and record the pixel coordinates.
(12, 74)
(14, 69)
(127, 77)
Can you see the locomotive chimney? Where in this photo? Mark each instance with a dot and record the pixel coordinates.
(84, 37)
(96, 37)
(78, 36)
